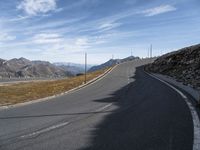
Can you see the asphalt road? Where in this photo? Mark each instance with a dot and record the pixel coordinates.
(126, 110)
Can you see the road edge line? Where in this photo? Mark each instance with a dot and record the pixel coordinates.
(91, 82)
(195, 117)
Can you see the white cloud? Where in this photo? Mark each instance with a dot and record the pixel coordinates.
(81, 42)
(45, 38)
(158, 10)
(18, 18)
(109, 26)
(53, 24)
(35, 7)
(88, 42)
(6, 37)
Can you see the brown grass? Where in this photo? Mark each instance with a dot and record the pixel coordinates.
(23, 92)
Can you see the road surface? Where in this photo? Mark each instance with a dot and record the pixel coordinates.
(126, 110)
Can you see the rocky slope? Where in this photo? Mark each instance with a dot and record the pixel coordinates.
(22, 67)
(183, 65)
(112, 62)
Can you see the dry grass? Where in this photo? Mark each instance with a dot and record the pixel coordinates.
(23, 92)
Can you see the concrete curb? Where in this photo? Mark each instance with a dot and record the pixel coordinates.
(193, 92)
(196, 122)
(67, 92)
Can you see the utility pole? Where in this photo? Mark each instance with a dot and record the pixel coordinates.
(151, 51)
(85, 68)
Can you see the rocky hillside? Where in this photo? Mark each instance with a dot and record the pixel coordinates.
(183, 65)
(112, 62)
(22, 67)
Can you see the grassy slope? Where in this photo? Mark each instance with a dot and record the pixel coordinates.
(23, 92)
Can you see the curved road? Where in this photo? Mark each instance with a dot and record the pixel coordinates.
(126, 110)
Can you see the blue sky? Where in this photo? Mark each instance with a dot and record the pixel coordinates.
(63, 30)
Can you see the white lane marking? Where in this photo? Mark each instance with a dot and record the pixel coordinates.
(45, 130)
(57, 126)
(195, 118)
(102, 108)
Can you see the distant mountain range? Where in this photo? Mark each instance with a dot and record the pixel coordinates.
(23, 67)
(73, 64)
(73, 67)
(112, 62)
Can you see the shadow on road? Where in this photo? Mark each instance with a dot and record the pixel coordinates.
(147, 118)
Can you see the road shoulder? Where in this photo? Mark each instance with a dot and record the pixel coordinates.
(195, 116)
